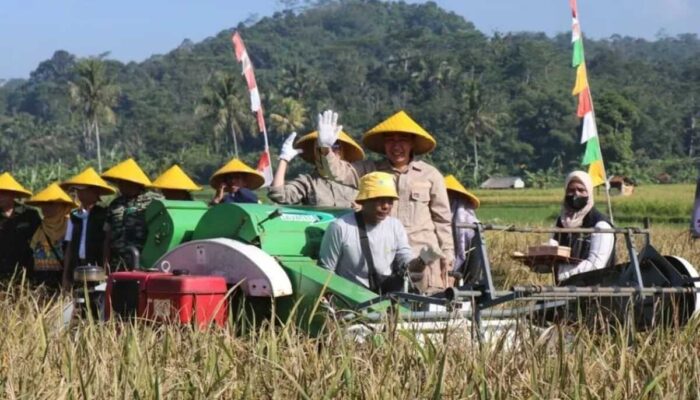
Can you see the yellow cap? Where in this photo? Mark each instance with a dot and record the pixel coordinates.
(88, 177)
(377, 184)
(52, 194)
(127, 171)
(8, 183)
(175, 179)
(351, 150)
(451, 183)
(254, 178)
(399, 123)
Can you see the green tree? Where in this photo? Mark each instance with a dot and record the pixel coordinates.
(221, 106)
(93, 96)
(476, 122)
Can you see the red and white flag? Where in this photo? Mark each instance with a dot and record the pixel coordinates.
(264, 164)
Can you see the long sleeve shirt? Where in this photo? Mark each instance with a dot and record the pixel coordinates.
(462, 214)
(601, 249)
(313, 190)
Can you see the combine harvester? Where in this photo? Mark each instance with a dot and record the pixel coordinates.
(199, 263)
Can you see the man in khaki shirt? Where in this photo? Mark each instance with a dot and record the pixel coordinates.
(423, 206)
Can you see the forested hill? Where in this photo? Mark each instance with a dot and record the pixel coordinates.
(368, 59)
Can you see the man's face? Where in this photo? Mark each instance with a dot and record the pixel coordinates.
(88, 195)
(377, 210)
(49, 210)
(7, 199)
(397, 148)
(234, 181)
(129, 189)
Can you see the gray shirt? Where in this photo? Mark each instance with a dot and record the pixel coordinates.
(313, 190)
(341, 250)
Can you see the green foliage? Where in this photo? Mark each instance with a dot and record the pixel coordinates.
(501, 103)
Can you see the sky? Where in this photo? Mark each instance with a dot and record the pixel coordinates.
(31, 30)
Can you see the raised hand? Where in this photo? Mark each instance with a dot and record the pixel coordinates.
(328, 129)
(288, 152)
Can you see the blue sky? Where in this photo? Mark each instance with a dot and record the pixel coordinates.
(31, 30)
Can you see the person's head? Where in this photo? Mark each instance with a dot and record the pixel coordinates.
(87, 187)
(578, 191)
(53, 201)
(234, 181)
(88, 196)
(234, 175)
(398, 148)
(456, 192)
(176, 194)
(53, 209)
(376, 195)
(129, 189)
(7, 199)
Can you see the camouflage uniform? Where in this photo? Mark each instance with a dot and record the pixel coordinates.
(126, 220)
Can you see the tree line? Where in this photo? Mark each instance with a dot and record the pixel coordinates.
(497, 105)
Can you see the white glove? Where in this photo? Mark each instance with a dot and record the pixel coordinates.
(328, 129)
(288, 152)
(428, 255)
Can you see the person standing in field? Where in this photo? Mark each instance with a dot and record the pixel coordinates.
(47, 242)
(174, 184)
(370, 247)
(85, 234)
(422, 205)
(314, 189)
(125, 225)
(463, 205)
(235, 182)
(17, 226)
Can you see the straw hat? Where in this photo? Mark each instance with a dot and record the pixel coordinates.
(376, 184)
(88, 177)
(351, 150)
(451, 183)
(52, 194)
(127, 171)
(399, 123)
(9, 184)
(175, 179)
(254, 178)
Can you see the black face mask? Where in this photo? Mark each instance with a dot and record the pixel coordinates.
(576, 202)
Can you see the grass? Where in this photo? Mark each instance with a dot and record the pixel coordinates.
(117, 360)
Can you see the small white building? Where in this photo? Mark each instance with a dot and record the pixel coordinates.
(503, 182)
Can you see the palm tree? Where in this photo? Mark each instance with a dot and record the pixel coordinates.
(288, 116)
(93, 95)
(222, 107)
(475, 121)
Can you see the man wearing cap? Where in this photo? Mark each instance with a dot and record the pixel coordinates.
(369, 247)
(314, 189)
(174, 184)
(17, 226)
(125, 226)
(422, 206)
(235, 182)
(47, 241)
(85, 235)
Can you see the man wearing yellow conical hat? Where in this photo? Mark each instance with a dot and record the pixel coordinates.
(314, 189)
(463, 205)
(422, 206)
(370, 247)
(174, 184)
(85, 235)
(235, 182)
(17, 225)
(47, 241)
(125, 227)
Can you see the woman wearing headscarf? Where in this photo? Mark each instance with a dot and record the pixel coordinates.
(47, 242)
(314, 189)
(595, 251)
(422, 206)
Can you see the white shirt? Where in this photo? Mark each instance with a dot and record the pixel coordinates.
(602, 246)
(84, 214)
(341, 250)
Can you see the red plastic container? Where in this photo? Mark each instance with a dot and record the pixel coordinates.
(126, 293)
(187, 299)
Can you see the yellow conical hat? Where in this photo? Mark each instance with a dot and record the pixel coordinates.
(376, 184)
(127, 171)
(88, 177)
(351, 150)
(8, 183)
(255, 178)
(399, 123)
(451, 183)
(176, 179)
(52, 194)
